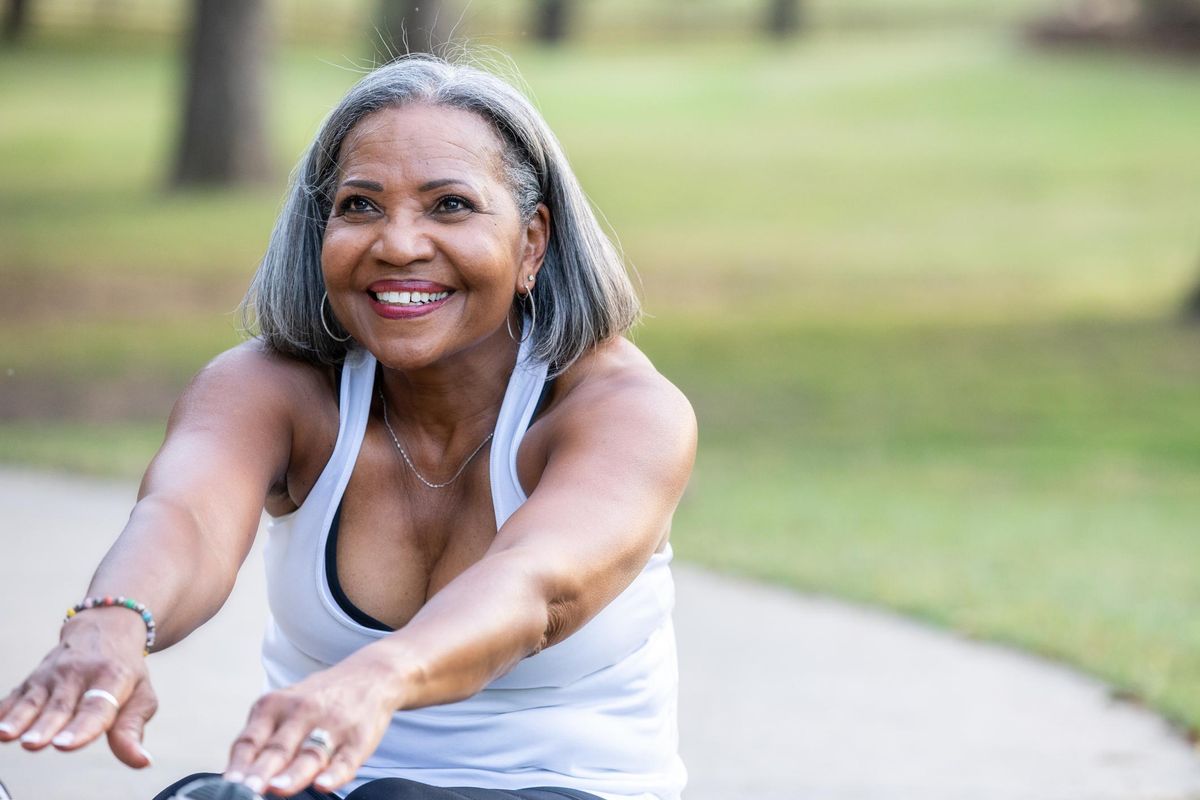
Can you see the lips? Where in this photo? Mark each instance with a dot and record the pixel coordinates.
(409, 298)
(395, 299)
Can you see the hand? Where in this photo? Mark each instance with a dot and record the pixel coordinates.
(101, 650)
(351, 703)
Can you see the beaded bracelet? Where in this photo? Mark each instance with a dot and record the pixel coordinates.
(124, 602)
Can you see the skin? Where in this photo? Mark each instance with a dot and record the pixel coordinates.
(604, 467)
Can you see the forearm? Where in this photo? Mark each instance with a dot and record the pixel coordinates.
(168, 559)
(470, 633)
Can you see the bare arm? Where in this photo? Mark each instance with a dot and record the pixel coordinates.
(616, 471)
(228, 442)
(618, 460)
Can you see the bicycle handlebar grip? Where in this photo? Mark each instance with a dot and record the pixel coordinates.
(215, 789)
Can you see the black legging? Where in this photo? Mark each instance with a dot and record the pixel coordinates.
(401, 789)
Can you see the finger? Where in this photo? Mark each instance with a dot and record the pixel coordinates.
(129, 728)
(95, 713)
(275, 754)
(299, 774)
(57, 711)
(246, 746)
(6, 705)
(340, 771)
(24, 711)
(10, 700)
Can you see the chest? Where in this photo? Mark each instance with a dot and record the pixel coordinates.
(398, 541)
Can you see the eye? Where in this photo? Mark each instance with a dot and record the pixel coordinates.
(453, 204)
(355, 204)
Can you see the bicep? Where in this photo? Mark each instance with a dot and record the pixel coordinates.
(614, 474)
(228, 442)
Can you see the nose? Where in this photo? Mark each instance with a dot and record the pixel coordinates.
(404, 240)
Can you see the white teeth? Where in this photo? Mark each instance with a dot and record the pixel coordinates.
(409, 298)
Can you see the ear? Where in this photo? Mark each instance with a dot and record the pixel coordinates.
(537, 238)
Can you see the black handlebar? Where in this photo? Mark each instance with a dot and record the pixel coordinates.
(214, 789)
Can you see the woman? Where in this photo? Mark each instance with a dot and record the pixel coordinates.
(470, 473)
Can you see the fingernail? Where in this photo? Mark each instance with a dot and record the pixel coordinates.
(146, 754)
(254, 783)
(6, 729)
(32, 737)
(326, 778)
(234, 777)
(64, 739)
(281, 781)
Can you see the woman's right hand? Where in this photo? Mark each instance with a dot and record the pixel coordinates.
(98, 649)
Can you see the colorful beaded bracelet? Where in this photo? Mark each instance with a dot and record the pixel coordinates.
(124, 602)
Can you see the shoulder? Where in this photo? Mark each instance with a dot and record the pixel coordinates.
(254, 359)
(616, 385)
(253, 390)
(256, 404)
(252, 372)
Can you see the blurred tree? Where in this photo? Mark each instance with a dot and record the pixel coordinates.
(1174, 20)
(413, 26)
(1172, 25)
(551, 20)
(783, 18)
(223, 135)
(16, 20)
(1191, 306)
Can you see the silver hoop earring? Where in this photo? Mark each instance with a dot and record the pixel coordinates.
(532, 316)
(325, 325)
(532, 321)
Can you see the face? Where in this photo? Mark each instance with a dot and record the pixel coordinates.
(425, 248)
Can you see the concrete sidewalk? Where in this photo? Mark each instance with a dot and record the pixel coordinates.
(783, 696)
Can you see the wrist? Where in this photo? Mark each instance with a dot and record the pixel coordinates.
(114, 628)
(392, 671)
(120, 602)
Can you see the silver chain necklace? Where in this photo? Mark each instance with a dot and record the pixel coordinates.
(412, 466)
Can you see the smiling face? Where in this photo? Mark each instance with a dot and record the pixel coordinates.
(425, 246)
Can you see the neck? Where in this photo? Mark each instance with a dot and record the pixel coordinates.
(459, 398)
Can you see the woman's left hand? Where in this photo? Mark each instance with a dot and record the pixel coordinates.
(348, 707)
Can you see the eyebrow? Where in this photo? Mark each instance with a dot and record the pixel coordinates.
(429, 186)
(358, 183)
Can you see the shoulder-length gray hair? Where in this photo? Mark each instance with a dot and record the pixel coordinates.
(583, 295)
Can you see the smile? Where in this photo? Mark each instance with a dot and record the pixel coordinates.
(409, 298)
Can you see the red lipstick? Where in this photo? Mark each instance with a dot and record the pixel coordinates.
(407, 299)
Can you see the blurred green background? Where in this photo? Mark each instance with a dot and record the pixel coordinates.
(922, 279)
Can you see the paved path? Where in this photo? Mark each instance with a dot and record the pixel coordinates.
(783, 696)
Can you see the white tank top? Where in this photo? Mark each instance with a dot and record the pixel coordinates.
(595, 712)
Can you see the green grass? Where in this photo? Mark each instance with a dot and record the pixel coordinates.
(1034, 484)
(107, 449)
(919, 283)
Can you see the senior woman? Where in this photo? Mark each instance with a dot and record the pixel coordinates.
(470, 475)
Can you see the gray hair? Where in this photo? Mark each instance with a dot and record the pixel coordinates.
(584, 295)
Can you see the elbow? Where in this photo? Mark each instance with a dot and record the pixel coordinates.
(561, 608)
(557, 624)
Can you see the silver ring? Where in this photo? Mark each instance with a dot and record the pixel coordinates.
(319, 740)
(103, 695)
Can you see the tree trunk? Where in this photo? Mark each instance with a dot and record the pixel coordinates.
(1191, 306)
(16, 20)
(1174, 21)
(413, 26)
(783, 18)
(1171, 12)
(551, 21)
(223, 137)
